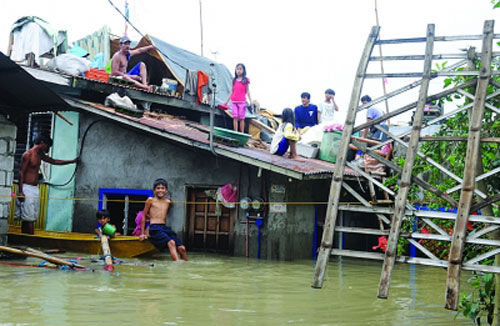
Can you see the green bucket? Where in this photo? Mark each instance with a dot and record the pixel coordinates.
(109, 229)
(330, 146)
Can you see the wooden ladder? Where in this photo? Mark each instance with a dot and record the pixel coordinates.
(402, 208)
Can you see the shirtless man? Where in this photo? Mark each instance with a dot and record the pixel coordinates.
(160, 235)
(138, 74)
(28, 195)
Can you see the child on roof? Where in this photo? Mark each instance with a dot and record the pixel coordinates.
(286, 136)
(239, 93)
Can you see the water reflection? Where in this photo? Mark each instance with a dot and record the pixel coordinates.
(219, 290)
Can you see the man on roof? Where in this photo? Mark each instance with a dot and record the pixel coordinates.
(138, 74)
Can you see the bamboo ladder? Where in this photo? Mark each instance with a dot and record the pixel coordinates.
(393, 217)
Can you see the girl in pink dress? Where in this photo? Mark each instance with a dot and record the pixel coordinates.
(239, 93)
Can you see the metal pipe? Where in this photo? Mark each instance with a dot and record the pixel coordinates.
(212, 108)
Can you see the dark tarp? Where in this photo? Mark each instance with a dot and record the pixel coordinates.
(179, 60)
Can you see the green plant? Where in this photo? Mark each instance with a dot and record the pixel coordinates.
(480, 302)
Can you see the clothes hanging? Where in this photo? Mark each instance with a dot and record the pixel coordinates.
(203, 79)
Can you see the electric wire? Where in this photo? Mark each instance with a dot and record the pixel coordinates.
(142, 35)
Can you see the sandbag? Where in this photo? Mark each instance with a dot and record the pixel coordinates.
(69, 64)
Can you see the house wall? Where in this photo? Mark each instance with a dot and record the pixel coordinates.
(7, 150)
(114, 156)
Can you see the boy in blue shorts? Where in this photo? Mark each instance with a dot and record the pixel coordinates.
(160, 235)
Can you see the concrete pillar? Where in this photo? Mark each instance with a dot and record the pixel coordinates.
(7, 150)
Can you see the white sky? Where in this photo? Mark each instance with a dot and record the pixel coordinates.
(288, 46)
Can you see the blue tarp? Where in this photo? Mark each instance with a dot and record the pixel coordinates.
(179, 60)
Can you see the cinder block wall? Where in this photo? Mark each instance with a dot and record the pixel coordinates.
(7, 149)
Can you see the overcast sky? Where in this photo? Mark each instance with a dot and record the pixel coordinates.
(288, 46)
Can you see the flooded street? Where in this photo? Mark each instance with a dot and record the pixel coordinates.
(219, 290)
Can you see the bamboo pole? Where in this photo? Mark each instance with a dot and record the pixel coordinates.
(336, 185)
(390, 254)
(467, 193)
(108, 259)
(43, 256)
(382, 64)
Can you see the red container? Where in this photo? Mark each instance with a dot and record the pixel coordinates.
(97, 74)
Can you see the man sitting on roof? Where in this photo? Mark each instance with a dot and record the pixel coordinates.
(138, 74)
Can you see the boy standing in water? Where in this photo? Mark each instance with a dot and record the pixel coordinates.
(160, 235)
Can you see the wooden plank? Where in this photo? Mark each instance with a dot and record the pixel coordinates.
(416, 179)
(336, 185)
(487, 105)
(347, 229)
(413, 260)
(456, 138)
(406, 88)
(364, 202)
(406, 175)
(410, 106)
(420, 213)
(434, 226)
(466, 195)
(419, 74)
(422, 249)
(429, 160)
(479, 233)
(419, 57)
(484, 203)
(370, 178)
(479, 258)
(437, 38)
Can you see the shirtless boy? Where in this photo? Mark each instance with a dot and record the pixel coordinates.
(138, 74)
(160, 235)
(28, 195)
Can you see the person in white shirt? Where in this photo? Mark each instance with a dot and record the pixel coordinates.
(328, 107)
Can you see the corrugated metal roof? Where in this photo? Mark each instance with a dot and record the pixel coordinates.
(20, 91)
(190, 133)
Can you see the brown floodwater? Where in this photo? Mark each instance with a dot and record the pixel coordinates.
(221, 290)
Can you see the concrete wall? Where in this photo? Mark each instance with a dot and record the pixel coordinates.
(7, 150)
(118, 157)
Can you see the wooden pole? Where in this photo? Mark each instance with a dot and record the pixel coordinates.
(404, 188)
(43, 256)
(467, 192)
(382, 64)
(59, 114)
(336, 185)
(108, 259)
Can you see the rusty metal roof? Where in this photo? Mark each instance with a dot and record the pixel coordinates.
(189, 133)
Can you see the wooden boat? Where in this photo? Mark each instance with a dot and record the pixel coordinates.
(122, 246)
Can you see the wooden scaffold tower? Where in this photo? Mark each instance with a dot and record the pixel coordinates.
(391, 217)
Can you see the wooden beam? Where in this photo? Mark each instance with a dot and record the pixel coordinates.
(467, 193)
(429, 160)
(336, 185)
(419, 181)
(364, 202)
(406, 176)
(406, 88)
(412, 105)
(484, 203)
(457, 138)
(413, 260)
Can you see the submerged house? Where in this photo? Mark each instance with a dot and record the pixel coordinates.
(121, 156)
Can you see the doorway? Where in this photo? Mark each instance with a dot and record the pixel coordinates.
(210, 226)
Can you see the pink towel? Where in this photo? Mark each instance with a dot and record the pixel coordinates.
(138, 218)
